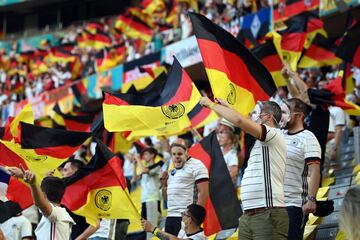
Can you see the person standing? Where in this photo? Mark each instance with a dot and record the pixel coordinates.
(262, 187)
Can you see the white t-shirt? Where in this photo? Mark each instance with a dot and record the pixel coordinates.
(302, 149)
(16, 228)
(56, 226)
(337, 118)
(230, 158)
(31, 213)
(197, 236)
(150, 184)
(182, 185)
(263, 181)
(106, 230)
(128, 167)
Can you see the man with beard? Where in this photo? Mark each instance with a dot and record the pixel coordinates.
(303, 159)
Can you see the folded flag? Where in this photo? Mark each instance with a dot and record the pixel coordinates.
(320, 53)
(99, 189)
(159, 114)
(235, 75)
(221, 212)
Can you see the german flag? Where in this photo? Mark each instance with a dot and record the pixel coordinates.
(349, 49)
(149, 7)
(99, 189)
(333, 94)
(95, 26)
(288, 8)
(269, 57)
(79, 91)
(145, 18)
(51, 142)
(73, 122)
(76, 67)
(99, 40)
(315, 26)
(200, 116)
(60, 54)
(155, 79)
(164, 113)
(234, 73)
(108, 58)
(320, 53)
(117, 142)
(134, 28)
(290, 42)
(221, 212)
(348, 83)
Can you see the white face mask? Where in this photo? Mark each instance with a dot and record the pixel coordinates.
(182, 225)
(255, 115)
(285, 117)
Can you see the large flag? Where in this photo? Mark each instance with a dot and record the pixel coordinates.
(99, 189)
(349, 49)
(320, 53)
(334, 94)
(255, 26)
(41, 149)
(158, 114)
(222, 208)
(234, 73)
(315, 26)
(269, 57)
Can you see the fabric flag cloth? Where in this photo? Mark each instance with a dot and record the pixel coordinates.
(269, 57)
(234, 73)
(14, 190)
(73, 122)
(134, 28)
(41, 149)
(348, 82)
(255, 26)
(349, 49)
(320, 53)
(153, 114)
(290, 42)
(223, 207)
(200, 116)
(315, 26)
(99, 189)
(289, 8)
(334, 94)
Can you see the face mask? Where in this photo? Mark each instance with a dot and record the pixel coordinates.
(285, 118)
(255, 115)
(182, 225)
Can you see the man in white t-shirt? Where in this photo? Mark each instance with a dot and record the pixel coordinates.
(106, 230)
(192, 218)
(17, 227)
(262, 187)
(303, 159)
(188, 174)
(56, 222)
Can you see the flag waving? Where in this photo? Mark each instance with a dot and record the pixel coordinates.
(234, 73)
(161, 113)
(99, 189)
(222, 208)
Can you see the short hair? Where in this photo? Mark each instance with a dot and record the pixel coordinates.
(299, 105)
(178, 145)
(197, 213)
(74, 162)
(273, 108)
(150, 150)
(54, 188)
(350, 213)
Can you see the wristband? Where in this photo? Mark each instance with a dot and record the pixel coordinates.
(311, 198)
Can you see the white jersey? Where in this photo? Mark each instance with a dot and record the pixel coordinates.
(196, 236)
(16, 228)
(337, 118)
(302, 149)
(231, 158)
(263, 181)
(182, 185)
(57, 226)
(106, 230)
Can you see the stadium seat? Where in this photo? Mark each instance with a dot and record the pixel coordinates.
(326, 232)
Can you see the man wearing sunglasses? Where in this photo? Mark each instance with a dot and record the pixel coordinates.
(192, 218)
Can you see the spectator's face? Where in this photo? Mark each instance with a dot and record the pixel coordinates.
(147, 156)
(179, 156)
(68, 170)
(224, 134)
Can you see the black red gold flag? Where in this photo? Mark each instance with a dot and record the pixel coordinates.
(349, 49)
